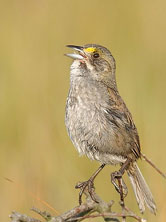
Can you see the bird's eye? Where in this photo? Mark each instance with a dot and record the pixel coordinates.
(96, 55)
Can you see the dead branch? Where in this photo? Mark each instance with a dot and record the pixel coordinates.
(81, 212)
(153, 165)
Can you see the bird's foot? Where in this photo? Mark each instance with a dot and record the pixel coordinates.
(119, 184)
(89, 185)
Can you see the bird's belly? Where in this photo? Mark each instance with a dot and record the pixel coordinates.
(93, 135)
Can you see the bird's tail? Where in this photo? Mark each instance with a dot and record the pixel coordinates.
(141, 189)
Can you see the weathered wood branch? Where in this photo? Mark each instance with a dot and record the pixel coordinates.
(88, 209)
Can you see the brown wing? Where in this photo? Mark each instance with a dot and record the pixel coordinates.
(120, 114)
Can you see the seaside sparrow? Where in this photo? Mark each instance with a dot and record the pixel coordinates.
(99, 123)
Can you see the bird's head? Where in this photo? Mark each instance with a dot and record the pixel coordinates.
(93, 61)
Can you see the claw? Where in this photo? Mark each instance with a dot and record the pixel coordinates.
(90, 187)
(118, 176)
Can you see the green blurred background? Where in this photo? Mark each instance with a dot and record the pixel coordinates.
(35, 151)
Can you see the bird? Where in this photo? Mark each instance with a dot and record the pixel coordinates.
(99, 123)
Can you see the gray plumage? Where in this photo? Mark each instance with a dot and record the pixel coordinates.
(98, 121)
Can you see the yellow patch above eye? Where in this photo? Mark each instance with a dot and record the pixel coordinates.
(90, 49)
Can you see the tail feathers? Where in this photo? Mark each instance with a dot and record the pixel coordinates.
(141, 189)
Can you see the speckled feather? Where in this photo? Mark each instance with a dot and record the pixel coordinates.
(98, 121)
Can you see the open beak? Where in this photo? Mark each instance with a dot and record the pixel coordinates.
(79, 49)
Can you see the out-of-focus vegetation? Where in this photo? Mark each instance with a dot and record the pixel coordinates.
(36, 152)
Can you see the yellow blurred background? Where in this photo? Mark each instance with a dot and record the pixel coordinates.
(35, 151)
